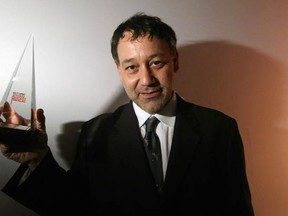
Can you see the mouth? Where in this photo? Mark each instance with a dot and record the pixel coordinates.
(151, 94)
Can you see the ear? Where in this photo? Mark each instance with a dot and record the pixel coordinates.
(119, 69)
(176, 61)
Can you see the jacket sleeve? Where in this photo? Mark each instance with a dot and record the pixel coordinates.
(240, 196)
(39, 190)
(50, 190)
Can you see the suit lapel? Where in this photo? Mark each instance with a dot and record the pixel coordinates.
(185, 141)
(133, 156)
(128, 137)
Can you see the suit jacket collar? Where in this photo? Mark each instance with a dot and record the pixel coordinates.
(185, 141)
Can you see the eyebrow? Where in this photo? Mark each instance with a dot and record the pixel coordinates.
(127, 60)
(156, 55)
(149, 57)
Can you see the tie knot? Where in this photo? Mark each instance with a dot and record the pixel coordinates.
(151, 124)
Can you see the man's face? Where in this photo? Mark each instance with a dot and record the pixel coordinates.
(146, 68)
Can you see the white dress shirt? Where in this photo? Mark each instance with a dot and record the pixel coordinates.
(164, 130)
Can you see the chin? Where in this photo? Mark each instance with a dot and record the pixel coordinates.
(152, 109)
(153, 106)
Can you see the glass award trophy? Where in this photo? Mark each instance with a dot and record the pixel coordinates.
(16, 128)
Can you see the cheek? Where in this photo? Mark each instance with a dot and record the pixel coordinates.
(129, 83)
(166, 79)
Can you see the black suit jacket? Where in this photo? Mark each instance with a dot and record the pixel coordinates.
(111, 175)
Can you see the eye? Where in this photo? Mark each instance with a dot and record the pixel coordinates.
(157, 64)
(131, 68)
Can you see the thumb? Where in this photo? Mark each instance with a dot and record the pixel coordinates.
(40, 119)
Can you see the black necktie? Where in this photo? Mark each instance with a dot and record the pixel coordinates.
(153, 151)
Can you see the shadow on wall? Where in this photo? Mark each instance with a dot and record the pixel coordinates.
(249, 86)
(242, 83)
(67, 140)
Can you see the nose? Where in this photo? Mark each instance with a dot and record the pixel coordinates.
(147, 77)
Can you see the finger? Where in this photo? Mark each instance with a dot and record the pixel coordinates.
(40, 137)
(15, 156)
(19, 157)
(40, 119)
(8, 111)
(12, 116)
(3, 148)
(1, 109)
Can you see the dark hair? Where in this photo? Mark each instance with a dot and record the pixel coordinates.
(141, 24)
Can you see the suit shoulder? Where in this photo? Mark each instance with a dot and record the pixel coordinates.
(212, 120)
(205, 114)
(210, 112)
(95, 131)
(104, 119)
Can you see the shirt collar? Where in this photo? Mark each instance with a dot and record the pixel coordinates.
(166, 115)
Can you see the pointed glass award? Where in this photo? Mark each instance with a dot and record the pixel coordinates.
(16, 126)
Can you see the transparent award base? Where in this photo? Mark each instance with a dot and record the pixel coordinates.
(20, 94)
(17, 137)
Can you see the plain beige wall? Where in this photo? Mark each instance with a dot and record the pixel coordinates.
(233, 57)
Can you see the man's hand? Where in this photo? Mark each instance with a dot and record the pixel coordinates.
(39, 140)
(11, 116)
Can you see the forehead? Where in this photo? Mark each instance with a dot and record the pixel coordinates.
(143, 45)
(128, 37)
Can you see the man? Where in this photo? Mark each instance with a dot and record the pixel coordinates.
(119, 169)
